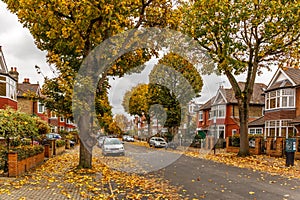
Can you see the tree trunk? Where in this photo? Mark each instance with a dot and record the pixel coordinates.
(85, 157)
(244, 141)
(86, 142)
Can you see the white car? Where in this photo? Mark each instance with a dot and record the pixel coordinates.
(112, 146)
(157, 142)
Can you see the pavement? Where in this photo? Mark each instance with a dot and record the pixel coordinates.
(30, 188)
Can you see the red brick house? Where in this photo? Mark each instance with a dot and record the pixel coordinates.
(60, 123)
(219, 116)
(282, 104)
(8, 84)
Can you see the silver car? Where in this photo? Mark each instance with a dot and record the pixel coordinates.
(157, 142)
(112, 146)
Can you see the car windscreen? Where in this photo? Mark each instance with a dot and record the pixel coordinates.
(112, 142)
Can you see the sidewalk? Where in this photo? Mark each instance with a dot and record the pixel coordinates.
(58, 178)
(39, 184)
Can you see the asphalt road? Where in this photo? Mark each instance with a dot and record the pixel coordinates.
(204, 179)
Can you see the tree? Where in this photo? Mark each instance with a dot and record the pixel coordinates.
(173, 83)
(69, 30)
(121, 120)
(243, 37)
(136, 102)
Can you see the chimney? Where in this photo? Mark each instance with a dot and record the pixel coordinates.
(14, 73)
(26, 80)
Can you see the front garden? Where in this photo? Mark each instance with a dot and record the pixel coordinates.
(20, 135)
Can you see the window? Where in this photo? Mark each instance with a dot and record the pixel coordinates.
(8, 87)
(218, 111)
(62, 119)
(217, 131)
(53, 115)
(233, 132)
(200, 115)
(41, 107)
(53, 129)
(62, 128)
(282, 98)
(279, 128)
(255, 131)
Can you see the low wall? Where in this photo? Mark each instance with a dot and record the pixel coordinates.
(17, 167)
(254, 151)
(59, 150)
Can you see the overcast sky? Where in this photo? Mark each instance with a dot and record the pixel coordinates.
(20, 51)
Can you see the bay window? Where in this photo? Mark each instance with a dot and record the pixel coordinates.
(282, 98)
(8, 87)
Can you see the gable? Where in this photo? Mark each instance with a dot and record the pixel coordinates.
(219, 99)
(3, 67)
(282, 78)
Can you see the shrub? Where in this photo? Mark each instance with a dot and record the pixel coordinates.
(60, 143)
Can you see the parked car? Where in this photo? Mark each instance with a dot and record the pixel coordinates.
(157, 142)
(53, 136)
(128, 138)
(112, 146)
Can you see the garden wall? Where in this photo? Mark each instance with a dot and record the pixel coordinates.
(254, 151)
(17, 167)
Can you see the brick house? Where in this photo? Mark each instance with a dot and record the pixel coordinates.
(282, 104)
(27, 99)
(219, 116)
(8, 84)
(60, 123)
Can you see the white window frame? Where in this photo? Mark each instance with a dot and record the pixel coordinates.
(233, 132)
(255, 131)
(61, 119)
(278, 96)
(41, 107)
(277, 125)
(218, 111)
(200, 115)
(10, 87)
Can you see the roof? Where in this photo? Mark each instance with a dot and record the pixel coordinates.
(228, 94)
(207, 104)
(285, 77)
(28, 87)
(294, 74)
(3, 66)
(257, 122)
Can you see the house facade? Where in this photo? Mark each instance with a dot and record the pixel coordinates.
(219, 116)
(282, 104)
(28, 102)
(8, 84)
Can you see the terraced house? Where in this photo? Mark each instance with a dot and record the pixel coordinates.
(219, 116)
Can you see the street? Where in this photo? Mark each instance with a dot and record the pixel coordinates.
(206, 179)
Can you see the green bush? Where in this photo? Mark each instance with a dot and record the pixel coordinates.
(60, 143)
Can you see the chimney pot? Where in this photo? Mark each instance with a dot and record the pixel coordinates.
(15, 69)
